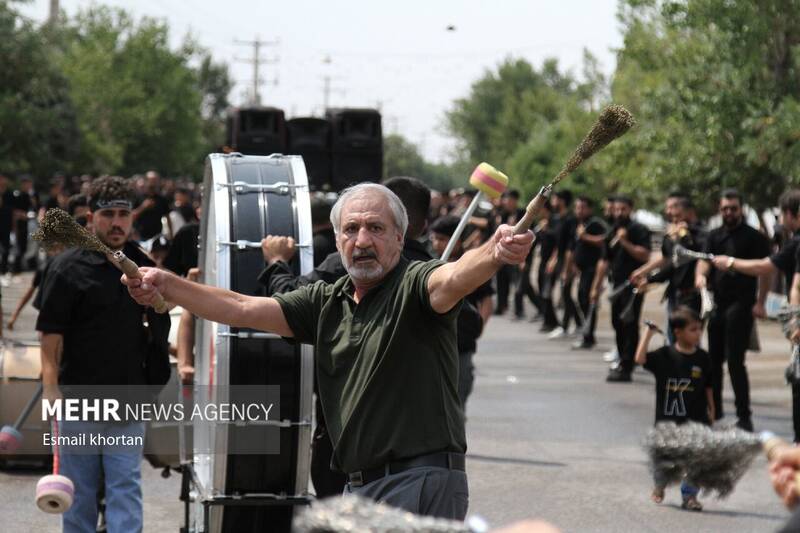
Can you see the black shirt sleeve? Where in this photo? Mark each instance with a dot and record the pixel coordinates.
(784, 260)
(651, 363)
(278, 277)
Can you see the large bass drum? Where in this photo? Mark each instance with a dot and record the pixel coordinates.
(244, 199)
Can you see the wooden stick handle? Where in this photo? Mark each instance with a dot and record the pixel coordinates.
(532, 210)
(130, 269)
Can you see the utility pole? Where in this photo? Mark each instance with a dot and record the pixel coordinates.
(53, 16)
(256, 61)
(326, 87)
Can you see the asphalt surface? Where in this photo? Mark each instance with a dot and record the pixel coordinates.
(548, 438)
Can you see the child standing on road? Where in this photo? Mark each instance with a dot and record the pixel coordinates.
(683, 384)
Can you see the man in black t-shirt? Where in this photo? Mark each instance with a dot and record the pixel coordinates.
(93, 333)
(150, 208)
(566, 225)
(6, 221)
(627, 248)
(584, 250)
(731, 323)
(680, 278)
(509, 213)
(25, 201)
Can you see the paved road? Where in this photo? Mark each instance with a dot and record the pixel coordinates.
(547, 438)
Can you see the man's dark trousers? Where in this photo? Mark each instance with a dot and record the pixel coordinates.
(584, 291)
(728, 338)
(627, 332)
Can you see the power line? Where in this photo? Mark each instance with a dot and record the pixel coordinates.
(256, 62)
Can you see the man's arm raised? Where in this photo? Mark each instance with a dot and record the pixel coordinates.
(211, 303)
(448, 284)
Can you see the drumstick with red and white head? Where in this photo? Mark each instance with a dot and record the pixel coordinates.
(55, 493)
(491, 183)
(10, 436)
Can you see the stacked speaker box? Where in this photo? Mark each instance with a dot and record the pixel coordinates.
(356, 146)
(311, 139)
(257, 130)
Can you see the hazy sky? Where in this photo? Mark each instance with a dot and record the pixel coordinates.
(398, 56)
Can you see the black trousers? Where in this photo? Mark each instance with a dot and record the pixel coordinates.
(525, 289)
(626, 328)
(728, 337)
(5, 247)
(584, 290)
(22, 244)
(504, 278)
(545, 282)
(570, 309)
(796, 411)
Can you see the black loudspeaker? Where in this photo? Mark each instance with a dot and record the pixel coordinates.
(257, 130)
(311, 138)
(356, 146)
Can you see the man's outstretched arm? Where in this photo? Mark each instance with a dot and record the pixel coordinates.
(448, 284)
(211, 303)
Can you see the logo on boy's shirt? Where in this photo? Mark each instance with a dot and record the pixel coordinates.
(697, 372)
(674, 404)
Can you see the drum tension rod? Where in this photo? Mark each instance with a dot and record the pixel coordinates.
(250, 335)
(281, 187)
(243, 245)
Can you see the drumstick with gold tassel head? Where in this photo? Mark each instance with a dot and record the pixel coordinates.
(58, 228)
(614, 121)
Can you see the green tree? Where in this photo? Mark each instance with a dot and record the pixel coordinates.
(527, 121)
(138, 101)
(714, 86)
(402, 158)
(38, 130)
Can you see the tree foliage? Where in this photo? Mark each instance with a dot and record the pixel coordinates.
(714, 85)
(105, 93)
(402, 158)
(527, 121)
(38, 130)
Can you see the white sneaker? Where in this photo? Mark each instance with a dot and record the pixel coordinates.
(611, 355)
(557, 333)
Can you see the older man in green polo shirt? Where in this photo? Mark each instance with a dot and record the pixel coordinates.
(385, 337)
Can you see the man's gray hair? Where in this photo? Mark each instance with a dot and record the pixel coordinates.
(362, 189)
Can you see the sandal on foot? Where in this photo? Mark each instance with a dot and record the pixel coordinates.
(658, 495)
(691, 504)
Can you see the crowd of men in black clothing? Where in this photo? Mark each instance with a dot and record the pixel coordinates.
(584, 256)
(583, 251)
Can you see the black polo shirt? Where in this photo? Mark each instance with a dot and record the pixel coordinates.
(744, 242)
(586, 255)
(621, 263)
(83, 299)
(547, 240)
(148, 223)
(785, 259)
(182, 254)
(387, 367)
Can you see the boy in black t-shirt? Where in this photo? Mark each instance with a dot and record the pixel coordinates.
(683, 384)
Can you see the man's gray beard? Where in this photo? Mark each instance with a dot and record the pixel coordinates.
(364, 273)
